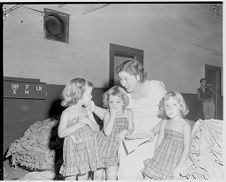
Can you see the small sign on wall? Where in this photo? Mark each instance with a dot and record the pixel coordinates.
(25, 90)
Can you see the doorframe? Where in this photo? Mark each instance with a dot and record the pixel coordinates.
(216, 69)
(124, 51)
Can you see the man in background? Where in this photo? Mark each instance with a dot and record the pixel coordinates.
(205, 95)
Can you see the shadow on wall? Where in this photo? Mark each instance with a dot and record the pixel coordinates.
(56, 144)
(55, 109)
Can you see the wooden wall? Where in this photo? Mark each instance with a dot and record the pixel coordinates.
(182, 36)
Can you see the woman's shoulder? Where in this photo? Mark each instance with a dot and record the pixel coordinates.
(156, 83)
(157, 87)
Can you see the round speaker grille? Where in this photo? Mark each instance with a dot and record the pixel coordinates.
(54, 25)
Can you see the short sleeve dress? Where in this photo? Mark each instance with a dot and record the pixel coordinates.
(145, 118)
(166, 157)
(80, 152)
(109, 144)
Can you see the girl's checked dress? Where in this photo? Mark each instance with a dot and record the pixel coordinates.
(109, 145)
(166, 156)
(80, 152)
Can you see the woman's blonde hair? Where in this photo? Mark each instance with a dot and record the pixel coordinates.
(176, 95)
(133, 67)
(116, 91)
(74, 91)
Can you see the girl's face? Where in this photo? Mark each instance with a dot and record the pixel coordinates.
(116, 103)
(172, 108)
(87, 95)
(128, 81)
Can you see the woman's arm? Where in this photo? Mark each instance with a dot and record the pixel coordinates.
(156, 129)
(131, 122)
(149, 134)
(187, 144)
(63, 130)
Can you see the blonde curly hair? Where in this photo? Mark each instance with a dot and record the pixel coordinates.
(74, 91)
(176, 95)
(116, 91)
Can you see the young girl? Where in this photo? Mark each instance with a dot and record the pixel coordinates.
(118, 122)
(79, 130)
(173, 142)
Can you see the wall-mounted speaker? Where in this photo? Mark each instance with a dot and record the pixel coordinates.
(56, 25)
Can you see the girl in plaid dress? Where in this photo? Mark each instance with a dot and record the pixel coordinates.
(79, 129)
(118, 123)
(173, 142)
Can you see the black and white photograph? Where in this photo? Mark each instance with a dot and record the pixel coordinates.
(113, 91)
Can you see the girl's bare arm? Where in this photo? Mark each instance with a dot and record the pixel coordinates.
(131, 122)
(108, 123)
(63, 130)
(99, 112)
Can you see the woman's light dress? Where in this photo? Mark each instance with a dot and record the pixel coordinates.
(145, 118)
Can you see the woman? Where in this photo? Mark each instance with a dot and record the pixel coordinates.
(144, 96)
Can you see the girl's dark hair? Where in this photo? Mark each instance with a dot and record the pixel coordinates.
(133, 67)
(202, 79)
(74, 91)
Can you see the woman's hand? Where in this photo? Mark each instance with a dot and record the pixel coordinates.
(151, 136)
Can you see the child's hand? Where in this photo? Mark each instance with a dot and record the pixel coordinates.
(112, 111)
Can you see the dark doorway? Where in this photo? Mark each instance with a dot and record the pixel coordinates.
(119, 54)
(214, 80)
